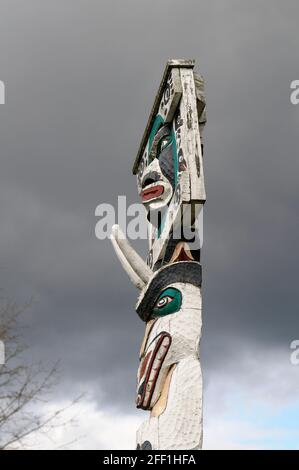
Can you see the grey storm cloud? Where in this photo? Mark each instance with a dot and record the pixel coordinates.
(80, 79)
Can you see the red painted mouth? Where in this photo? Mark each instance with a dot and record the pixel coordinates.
(151, 193)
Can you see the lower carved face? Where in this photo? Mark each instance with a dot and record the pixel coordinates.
(172, 333)
(170, 304)
(157, 180)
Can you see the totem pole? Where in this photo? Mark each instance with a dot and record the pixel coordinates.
(170, 182)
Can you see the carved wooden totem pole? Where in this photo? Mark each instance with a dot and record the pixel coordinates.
(170, 182)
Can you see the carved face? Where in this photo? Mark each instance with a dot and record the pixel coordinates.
(157, 176)
(170, 304)
(172, 333)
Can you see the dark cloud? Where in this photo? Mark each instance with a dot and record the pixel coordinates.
(80, 79)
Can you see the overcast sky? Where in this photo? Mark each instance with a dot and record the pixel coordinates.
(80, 78)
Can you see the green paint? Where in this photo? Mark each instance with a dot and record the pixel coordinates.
(175, 157)
(161, 226)
(158, 122)
(172, 302)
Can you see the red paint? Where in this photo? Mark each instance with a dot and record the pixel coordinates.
(152, 192)
(144, 364)
(153, 353)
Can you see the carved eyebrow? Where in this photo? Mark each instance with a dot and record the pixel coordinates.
(162, 132)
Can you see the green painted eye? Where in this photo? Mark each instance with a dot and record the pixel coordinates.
(170, 301)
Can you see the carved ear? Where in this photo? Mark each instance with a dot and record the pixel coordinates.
(137, 270)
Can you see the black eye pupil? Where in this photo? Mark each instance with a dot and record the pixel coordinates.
(164, 301)
(163, 143)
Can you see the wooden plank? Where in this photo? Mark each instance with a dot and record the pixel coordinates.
(171, 96)
(191, 142)
(187, 63)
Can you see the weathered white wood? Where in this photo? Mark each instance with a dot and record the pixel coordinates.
(171, 95)
(169, 381)
(190, 189)
(190, 142)
(179, 426)
(134, 265)
(134, 278)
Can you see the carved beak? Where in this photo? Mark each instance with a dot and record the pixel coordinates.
(181, 253)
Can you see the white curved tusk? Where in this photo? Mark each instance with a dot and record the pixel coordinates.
(131, 273)
(133, 264)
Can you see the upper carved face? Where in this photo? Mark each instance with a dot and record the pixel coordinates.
(156, 178)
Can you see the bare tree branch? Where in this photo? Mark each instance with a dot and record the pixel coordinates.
(22, 386)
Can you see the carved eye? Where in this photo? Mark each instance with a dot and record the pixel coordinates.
(165, 142)
(164, 301)
(170, 301)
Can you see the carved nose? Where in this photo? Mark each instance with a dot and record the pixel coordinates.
(151, 178)
(147, 181)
